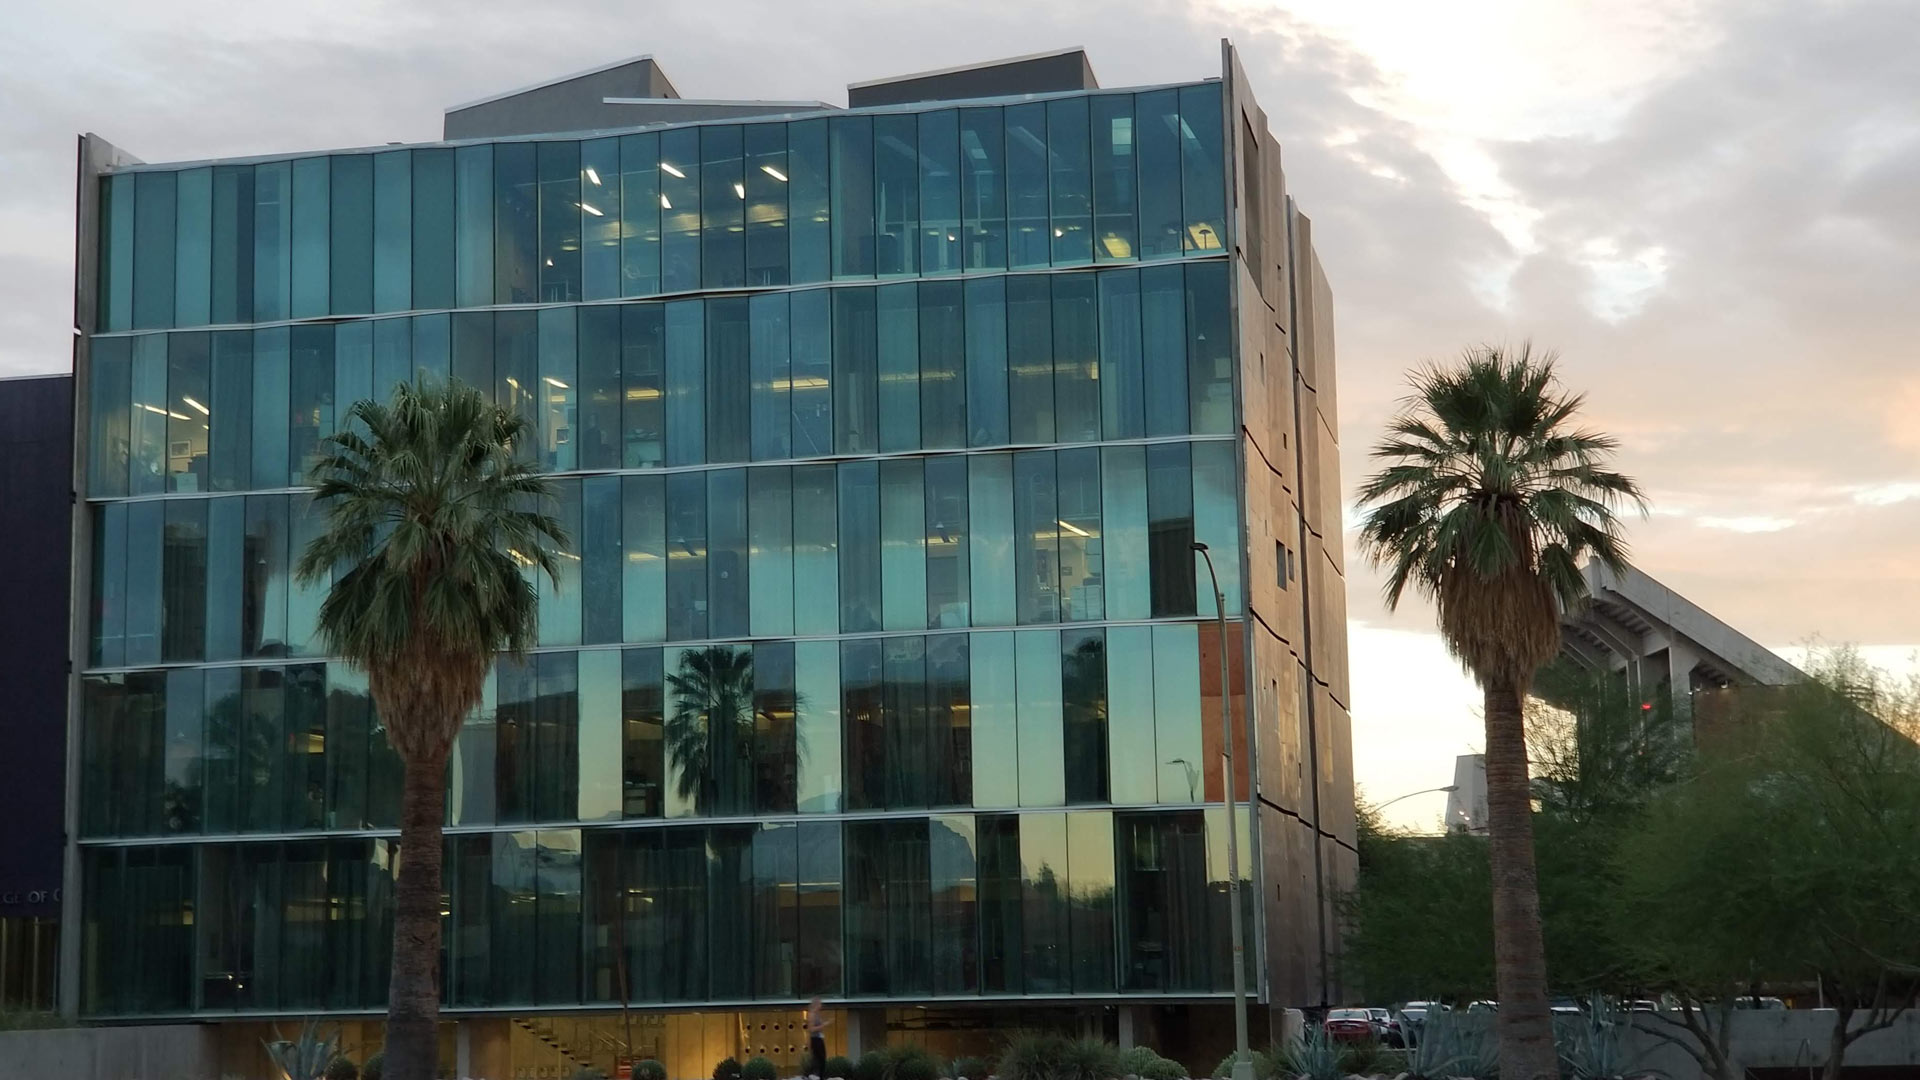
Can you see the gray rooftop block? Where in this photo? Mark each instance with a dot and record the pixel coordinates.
(1041, 73)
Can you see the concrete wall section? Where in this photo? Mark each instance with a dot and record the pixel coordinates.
(185, 1051)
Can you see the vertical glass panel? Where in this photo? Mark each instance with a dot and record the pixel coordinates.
(818, 932)
(600, 217)
(1176, 702)
(812, 368)
(193, 249)
(991, 567)
(949, 751)
(149, 415)
(947, 557)
(1126, 541)
(1216, 523)
(1159, 141)
(723, 194)
(1091, 888)
(230, 408)
(1202, 169)
(728, 593)
(770, 410)
(816, 562)
(986, 361)
(189, 417)
(514, 907)
(1041, 749)
(310, 395)
(1114, 225)
(349, 715)
(472, 346)
(1219, 963)
(775, 759)
(560, 595)
(230, 284)
(351, 230)
(393, 357)
(1068, 149)
(809, 200)
(679, 209)
(1161, 903)
(559, 168)
(643, 362)
(1030, 359)
(272, 240)
(155, 196)
(1210, 348)
(983, 191)
(109, 623)
(939, 192)
(271, 430)
(600, 754)
(1036, 544)
(432, 348)
(887, 915)
(305, 734)
(559, 372)
(1076, 358)
(183, 577)
(515, 773)
(686, 557)
(775, 911)
(817, 728)
(303, 601)
(643, 579)
(954, 924)
(1001, 918)
(226, 574)
(433, 218)
(601, 559)
(853, 206)
(766, 210)
(1134, 759)
(943, 366)
(1083, 679)
(1122, 406)
(109, 424)
(863, 694)
(686, 384)
(600, 391)
(263, 613)
(1171, 558)
(393, 231)
(903, 544)
(473, 225)
(116, 259)
(640, 210)
(643, 735)
(1028, 241)
(263, 781)
(558, 978)
(1082, 554)
(1043, 860)
(683, 935)
(728, 380)
(859, 508)
(770, 544)
(995, 697)
(352, 369)
(710, 731)
(1163, 347)
(856, 372)
(896, 195)
(899, 367)
(516, 224)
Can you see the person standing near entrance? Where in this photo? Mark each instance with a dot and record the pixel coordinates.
(816, 1040)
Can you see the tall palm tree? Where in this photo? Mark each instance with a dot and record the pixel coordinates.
(710, 730)
(1487, 500)
(430, 519)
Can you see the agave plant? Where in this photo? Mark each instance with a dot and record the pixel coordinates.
(1449, 1047)
(1313, 1056)
(1598, 1045)
(307, 1057)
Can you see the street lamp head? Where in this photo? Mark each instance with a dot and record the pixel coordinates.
(1198, 546)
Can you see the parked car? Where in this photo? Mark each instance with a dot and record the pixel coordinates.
(1382, 1023)
(1641, 1005)
(1750, 1002)
(1483, 1006)
(1349, 1025)
(1564, 1007)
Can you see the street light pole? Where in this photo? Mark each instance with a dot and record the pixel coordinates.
(1242, 1060)
(1449, 789)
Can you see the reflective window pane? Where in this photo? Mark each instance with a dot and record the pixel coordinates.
(949, 721)
(856, 372)
(1134, 763)
(943, 366)
(271, 430)
(231, 274)
(1161, 214)
(723, 193)
(954, 923)
(643, 362)
(1163, 337)
(350, 227)
(559, 374)
(1122, 403)
(771, 408)
(986, 361)
(1176, 703)
(558, 164)
(560, 594)
(686, 383)
(600, 391)
(899, 367)
(948, 591)
(189, 418)
(859, 506)
(109, 422)
(1028, 241)
(770, 542)
(817, 735)
(193, 249)
(1069, 176)
(896, 194)
(679, 209)
(812, 367)
(903, 545)
(602, 559)
(640, 213)
(983, 189)
(473, 225)
(1171, 558)
(600, 218)
(1202, 162)
(433, 219)
(1076, 358)
(642, 722)
(1126, 541)
(995, 730)
(1082, 556)
(516, 224)
(766, 211)
(1216, 523)
(686, 556)
(816, 561)
(808, 200)
(990, 531)
(728, 592)
(1030, 359)
(155, 199)
(1036, 538)
(272, 240)
(1210, 348)
(728, 380)
(853, 210)
(1041, 748)
(393, 231)
(940, 192)
(117, 204)
(1114, 183)
(643, 579)
(1043, 860)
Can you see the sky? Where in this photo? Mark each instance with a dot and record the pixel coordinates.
(1708, 209)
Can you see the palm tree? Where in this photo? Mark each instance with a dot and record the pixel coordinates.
(1487, 501)
(710, 730)
(430, 520)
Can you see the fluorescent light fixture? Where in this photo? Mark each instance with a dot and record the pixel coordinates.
(1074, 529)
(549, 262)
(667, 167)
(202, 408)
(739, 191)
(664, 204)
(551, 381)
(153, 408)
(775, 173)
(592, 209)
(593, 177)
(1059, 233)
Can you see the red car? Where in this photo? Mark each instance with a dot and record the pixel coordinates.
(1349, 1025)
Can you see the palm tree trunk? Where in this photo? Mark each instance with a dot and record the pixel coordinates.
(1519, 953)
(413, 993)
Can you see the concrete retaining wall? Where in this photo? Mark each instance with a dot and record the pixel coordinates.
(174, 1052)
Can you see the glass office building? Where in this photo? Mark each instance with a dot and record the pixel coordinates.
(880, 668)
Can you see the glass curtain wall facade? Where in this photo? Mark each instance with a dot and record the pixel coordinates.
(881, 667)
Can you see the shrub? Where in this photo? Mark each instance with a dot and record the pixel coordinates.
(1364, 1058)
(1087, 1059)
(971, 1068)
(1135, 1060)
(911, 1063)
(589, 1072)
(649, 1069)
(1031, 1056)
(342, 1068)
(728, 1069)
(759, 1068)
(1164, 1069)
(377, 1064)
(838, 1068)
(871, 1066)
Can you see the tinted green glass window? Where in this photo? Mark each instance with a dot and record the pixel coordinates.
(272, 240)
(1090, 888)
(1114, 183)
(808, 200)
(189, 418)
(149, 416)
(600, 390)
(193, 249)
(1028, 241)
(1219, 964)
(986, 361)
(856, 372)
(887, 907)
(560, 594)
(393, 231)
(472, 344)
(990, 539)
(516, 224)
(155, 197)
(728, 593)
(473, 225)
(1210, 348)
(1126, 540)
(643, 361)
(943, 366)
(1216, 522)
(1076, 358)
(817, 964)
(1122, 403)
(686, 383)
(723, 193)
(817, 684)
(995, 720)
(896, 194)
(230, 283)
(1161, 213)
(1163, 335)
(602, 559)
(1041, 747)
(1176, 702)
(812, 365)
(1068, 150)
(109, 421)
(1161, 882)
(271, 408)
(863, 694)
(263, 619)
(223, 720)
(949, 721)
(899, 367)
(851, 140)
(643, 721)
(310, 395)
(1043, 856)
(640, 211)
(117, 207)
(1082, 561)
(729, 379)
(859, 506)
(816, 562)
(1170, 529)
(1134, 760)
(559, 253)
(770, 409)
(766, 199)
(1030, 365)
(559, 374)
(516, 372)
(1036, 545)
(350, 226)
(686, 557)
(903, 544)
(226, 561)
(1083, 681)
(515, 766)
(556, 780)
(230, 415)
(680, 209)
(305, 524)
(183, 576)
(954, 936)
(904, 780)
(600, 215)
(393, 357)
(1202, 169)
(432, 241)
(773, 911)
(948, 594)
(770, 547)
(432, 348)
